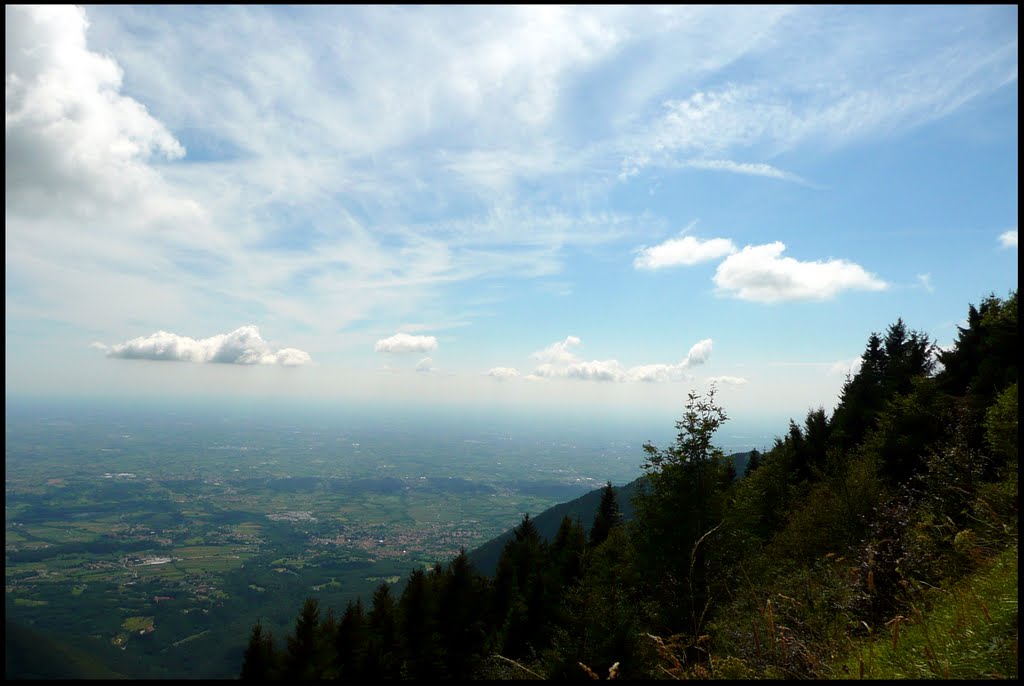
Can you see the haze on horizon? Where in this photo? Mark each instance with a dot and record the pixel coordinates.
(560, 210)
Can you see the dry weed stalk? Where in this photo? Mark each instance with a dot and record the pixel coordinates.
(522, 667)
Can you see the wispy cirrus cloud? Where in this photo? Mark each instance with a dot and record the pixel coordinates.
(242, 346)
(748, 168)
(334, 172)
(760, 273)
(832, 100)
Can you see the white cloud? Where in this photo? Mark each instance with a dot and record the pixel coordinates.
(748, 168)
(559, 362)
(72, 139)
(699, 352)
(727, 380)
(654, 373)
(759, 273)
(503, 373)
(1008, 239)
(558, 352)
(332, 173)
(846, 367)
(842, 94)
(244, 345)
(926, 282)
(596, 370)
(405, 343)
(425, 365)
(283, 139)
(687, 250)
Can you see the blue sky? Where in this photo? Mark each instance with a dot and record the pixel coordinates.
(558, 208)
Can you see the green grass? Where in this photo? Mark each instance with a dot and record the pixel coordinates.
(25, 602)
(971, 633)
(60, 532)
(191, 638)
(135, 624)
(166, 572)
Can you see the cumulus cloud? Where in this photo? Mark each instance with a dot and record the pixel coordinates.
(761, 274)
(559, 362)
(699, 352)
(503, 373)
(1008, 239)
(70, 134)
(655, 373)
(406, 343)
(596, 370)
(727, 380)
(558, 352)
(244, 345)
(687, 250)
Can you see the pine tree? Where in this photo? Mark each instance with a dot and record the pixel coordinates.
(566, 552)
(461, 617)
(300, 657)
(382, 656)
(862, 396)
(259, 660)
(417, 622)
(350, 643)
(608, 516)
(521, 602)
(752, 463)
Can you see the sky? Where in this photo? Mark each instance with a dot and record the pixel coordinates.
(579, 211)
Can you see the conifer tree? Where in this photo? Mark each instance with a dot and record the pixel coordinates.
(417, 623)
(350, 642)
(300, 657)
(461, 617)
(752, 463)
(608, 516)
(382, 656)
(566, 552)
(258, 662)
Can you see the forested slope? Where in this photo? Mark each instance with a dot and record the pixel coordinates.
(890, 522)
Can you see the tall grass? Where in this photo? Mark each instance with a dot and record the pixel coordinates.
(971, 632)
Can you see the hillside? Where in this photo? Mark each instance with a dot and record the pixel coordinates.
(879, 541)
(485, 556)
(29, 654)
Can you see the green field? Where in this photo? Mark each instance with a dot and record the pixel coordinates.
(206, 544)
